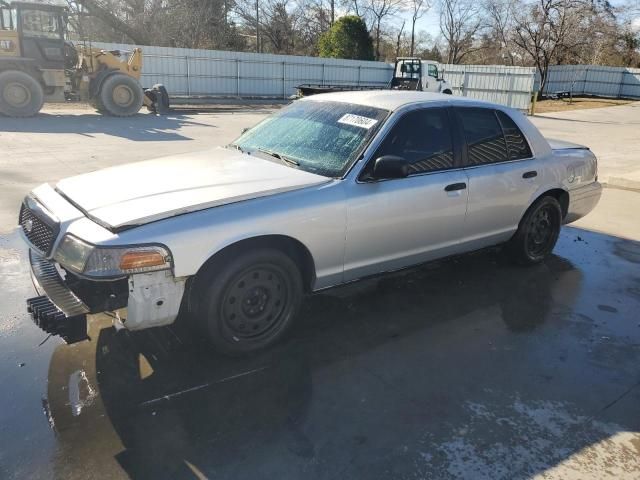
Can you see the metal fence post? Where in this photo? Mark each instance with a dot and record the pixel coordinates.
(465, 81)
(322, 82)
(621, 87)
(584, 84)
(238, 77)
(284, 78)
(186, 60)
(359, 73)
(512, 87)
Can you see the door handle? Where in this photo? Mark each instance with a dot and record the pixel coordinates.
(530, 174)
(455, 186)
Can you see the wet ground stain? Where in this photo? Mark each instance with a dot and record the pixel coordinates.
(469, 367)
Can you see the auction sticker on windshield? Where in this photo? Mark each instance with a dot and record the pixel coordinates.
(357, 121)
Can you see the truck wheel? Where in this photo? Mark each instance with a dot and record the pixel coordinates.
(448, 92)
(249, 302)
(537, 233)
(120, 95)
(20, 94)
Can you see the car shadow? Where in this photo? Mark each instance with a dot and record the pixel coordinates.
(141, 127)
(370, 371)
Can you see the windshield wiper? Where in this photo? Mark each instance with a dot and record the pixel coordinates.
(236, 146)
(279, 156)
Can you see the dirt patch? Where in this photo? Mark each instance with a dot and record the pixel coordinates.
(565, 104)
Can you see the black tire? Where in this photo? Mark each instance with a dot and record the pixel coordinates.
(538, 232)
(162, 99)
(448, 92)
(97, 104)
(120, 95)
(21, 95)
(249, 302)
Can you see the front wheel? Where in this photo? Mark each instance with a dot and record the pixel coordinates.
(20, 94)
(120, 95)
(538, 232)
(248, 303)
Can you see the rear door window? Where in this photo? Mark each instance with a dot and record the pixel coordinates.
(516, 142)
(484, 136)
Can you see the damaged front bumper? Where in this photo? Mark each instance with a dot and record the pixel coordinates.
(142, 300)
(59, 311)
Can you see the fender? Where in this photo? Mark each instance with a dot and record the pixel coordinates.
(237, 239)
(540, 192)
(26, 65)
(97, 81)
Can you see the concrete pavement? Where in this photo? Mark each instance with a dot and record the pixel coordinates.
(64, 141)
(613, 133)
(467, 368)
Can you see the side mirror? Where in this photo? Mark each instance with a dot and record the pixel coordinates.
(390, 166)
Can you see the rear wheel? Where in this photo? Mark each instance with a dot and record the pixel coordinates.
(20, 94)
(447, 92)
(120, 95)
(249, 302)
(538, 232)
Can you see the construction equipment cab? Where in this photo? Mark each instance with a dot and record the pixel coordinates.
(38, 65)
(416, 74)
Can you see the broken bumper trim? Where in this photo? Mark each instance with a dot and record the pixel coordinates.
(49, 318)
(59, 311)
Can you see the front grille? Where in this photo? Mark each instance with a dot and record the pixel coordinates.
(47, 278)
(38, 229)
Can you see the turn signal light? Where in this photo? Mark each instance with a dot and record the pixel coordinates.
(141, 259)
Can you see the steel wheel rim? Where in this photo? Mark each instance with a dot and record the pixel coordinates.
(541, 231)
(123, 95)
(254, 303)
(16, 94)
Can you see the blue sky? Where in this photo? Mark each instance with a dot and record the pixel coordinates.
(430, 22)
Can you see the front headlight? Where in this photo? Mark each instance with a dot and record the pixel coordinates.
(94, 261)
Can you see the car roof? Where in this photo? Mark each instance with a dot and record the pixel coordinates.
(394, 99)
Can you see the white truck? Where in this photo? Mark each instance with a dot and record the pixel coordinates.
(409, 73)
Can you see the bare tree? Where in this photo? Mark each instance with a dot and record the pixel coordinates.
(549, 30)
(107, 15)
(460, 21)
(418, 9)
(523, 32)
(399, 39)
(275, 23)
(379, 11)
(501, 23)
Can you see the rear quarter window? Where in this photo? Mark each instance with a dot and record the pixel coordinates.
(517, 145)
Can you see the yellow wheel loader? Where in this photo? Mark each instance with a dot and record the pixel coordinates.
(38, 65)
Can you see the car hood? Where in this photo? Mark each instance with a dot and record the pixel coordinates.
(152, 190)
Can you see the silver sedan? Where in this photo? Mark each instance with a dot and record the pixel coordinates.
(330, 189)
